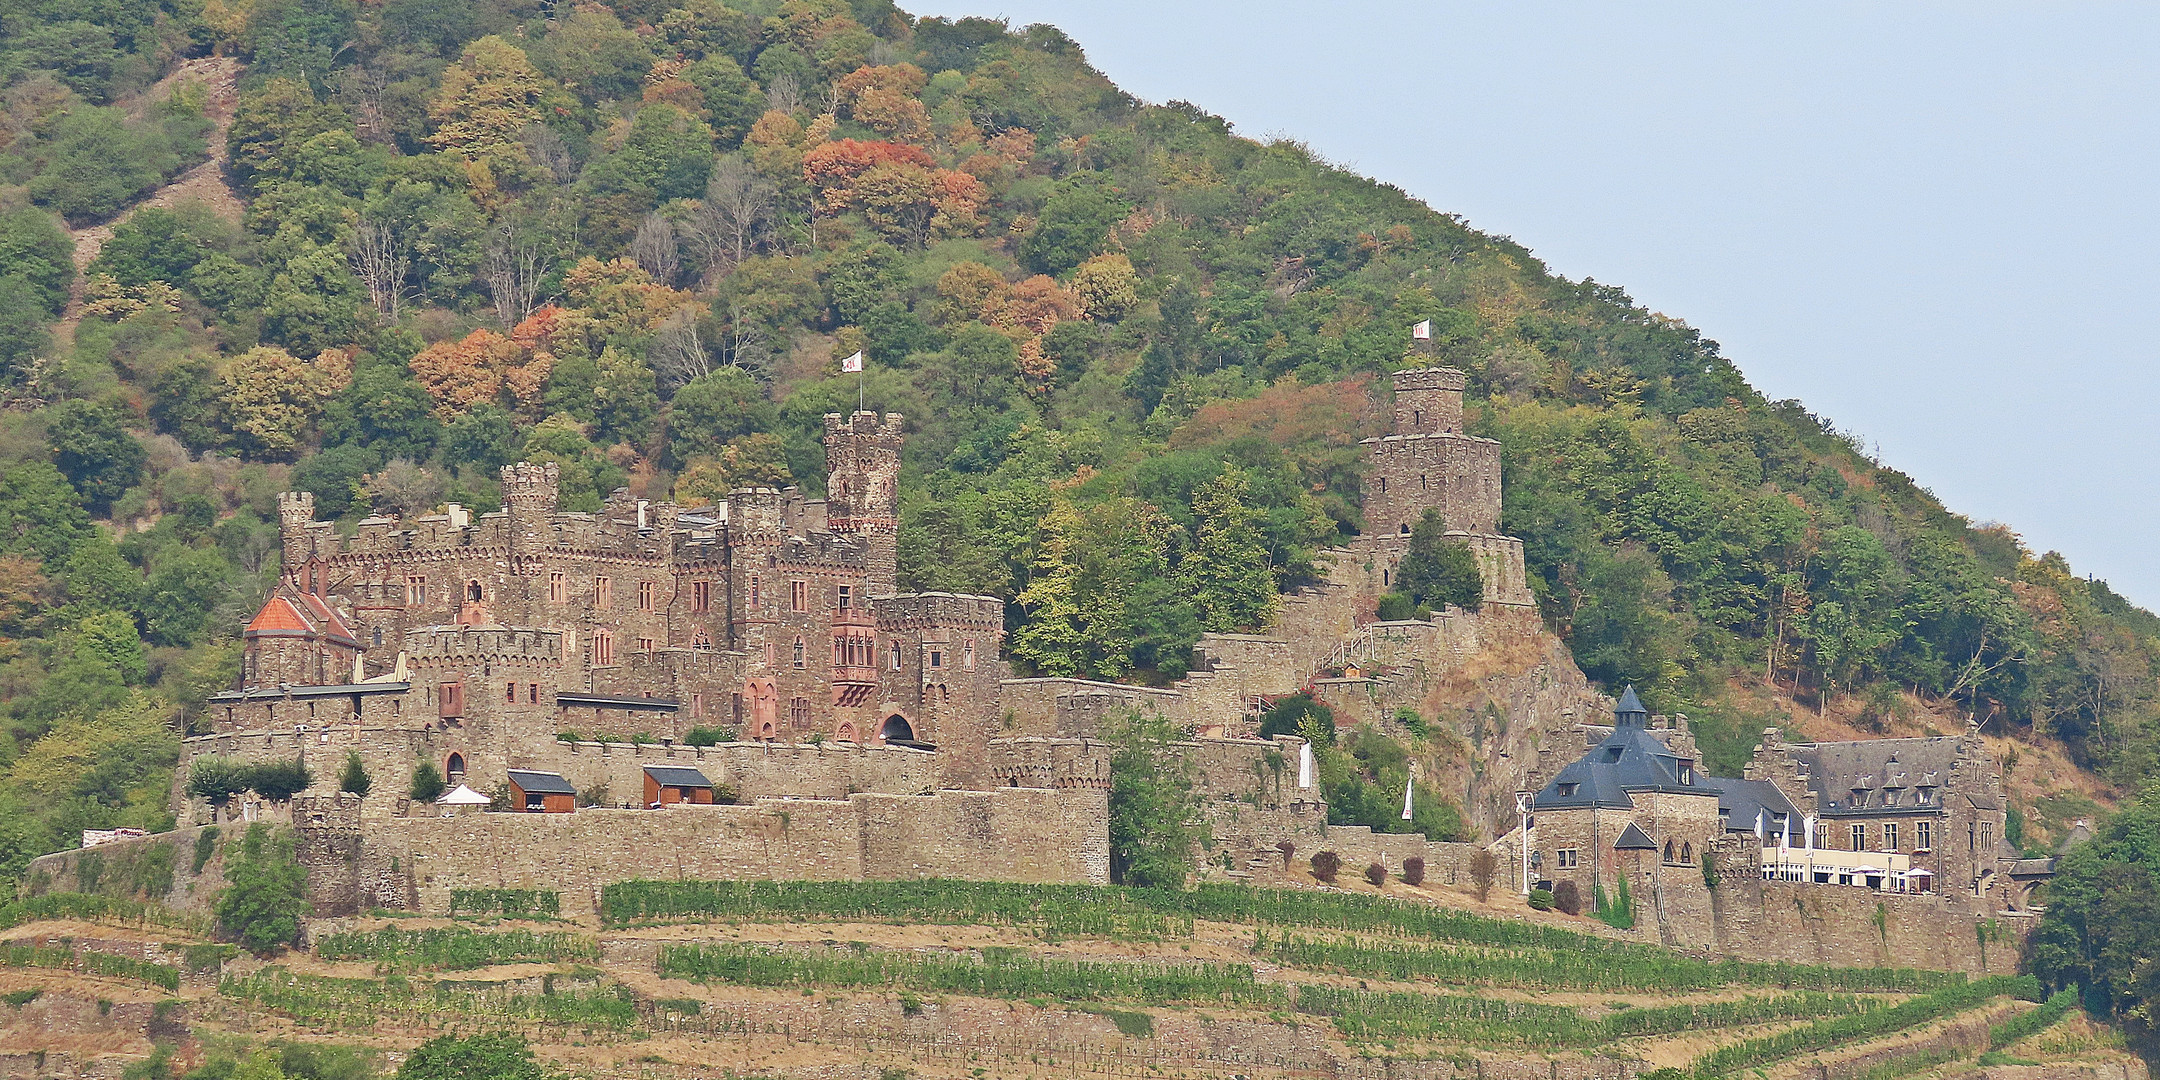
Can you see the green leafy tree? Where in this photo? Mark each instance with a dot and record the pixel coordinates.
(93, 450)
(266, 897)
(1438, 570)
(490, 1056)
(713, 410)
(2102, 923)
(216, 779)
(1228, 573)
(1073, 225)
(279, 780)
(39, 513)
(23, 336)
(35, 250)
(1154, 813)
(183, 594)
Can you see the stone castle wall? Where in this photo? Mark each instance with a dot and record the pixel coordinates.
(972, 835)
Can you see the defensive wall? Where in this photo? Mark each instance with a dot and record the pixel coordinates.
(1012, 834)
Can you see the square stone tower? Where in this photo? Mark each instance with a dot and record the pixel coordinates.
(862, 462)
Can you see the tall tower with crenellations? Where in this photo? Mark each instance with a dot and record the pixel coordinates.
(296, 510)
(531, 494)
(862, 462)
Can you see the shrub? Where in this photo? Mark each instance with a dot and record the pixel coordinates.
(1541, 899)
(268, 894)
(1288, 849)
(496, 1056)
(1288, 716)
(1567, 898)
(1484, 867)
(216, 779)
(1413, 871)
(709, 736)
(1325, 865)
(205, 846)
(355, 778)
(1396, 607)
(1377, 874)
(279, 780)
(427, 782)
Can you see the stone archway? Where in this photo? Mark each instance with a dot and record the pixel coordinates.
(897, 729)
(454, 768)
(846, 732)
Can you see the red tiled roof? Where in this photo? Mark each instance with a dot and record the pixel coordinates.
(278, 613)
(291, 611)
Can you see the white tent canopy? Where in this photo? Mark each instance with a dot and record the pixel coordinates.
(463, 796)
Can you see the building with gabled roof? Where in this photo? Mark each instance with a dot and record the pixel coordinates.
(297, 639)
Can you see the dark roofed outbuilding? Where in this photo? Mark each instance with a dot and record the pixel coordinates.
(538, 792)
(668, 784)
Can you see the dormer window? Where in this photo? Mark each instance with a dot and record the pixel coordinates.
(1859, 798)
(1567, 791)
(1926, 796)
(1687, 774)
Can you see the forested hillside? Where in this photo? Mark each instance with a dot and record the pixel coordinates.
(1136, 352)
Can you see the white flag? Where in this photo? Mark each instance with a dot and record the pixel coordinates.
(1422, 331)
(1304, 765)
(1408, 786)
(1758, 826)
(852, 363)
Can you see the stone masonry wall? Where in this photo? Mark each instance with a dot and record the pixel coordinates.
(1006, 835)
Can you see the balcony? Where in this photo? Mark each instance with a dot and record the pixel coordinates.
(852, 685)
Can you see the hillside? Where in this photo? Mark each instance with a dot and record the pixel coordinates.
(375, 252)
(947, 979)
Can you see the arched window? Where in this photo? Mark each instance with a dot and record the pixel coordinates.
(1406, 529)
(472, 590)
(1687, 853)
(896, 729)
(846, 733)
(1668, 851)
(455, 767)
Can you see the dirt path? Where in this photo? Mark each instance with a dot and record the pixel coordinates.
(205, 183)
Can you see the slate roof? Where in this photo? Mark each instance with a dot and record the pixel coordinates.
(1884, 769)
(1630, 759)
(1633, 838)
(1740, 802)
(541, 783)
(677, 776)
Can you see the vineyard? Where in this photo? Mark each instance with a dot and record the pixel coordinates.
(943, 978)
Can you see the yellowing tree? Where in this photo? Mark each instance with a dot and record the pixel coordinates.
(269, 396)
(970, 291)
(461, 374)
(1104, 286)
(487, 99)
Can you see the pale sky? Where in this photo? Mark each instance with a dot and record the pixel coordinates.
(1933, 224)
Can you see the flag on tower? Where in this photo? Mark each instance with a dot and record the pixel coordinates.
(1422, 331)
(852, 363)
(1408, 786)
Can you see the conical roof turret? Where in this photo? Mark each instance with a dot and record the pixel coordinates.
(1630, 711)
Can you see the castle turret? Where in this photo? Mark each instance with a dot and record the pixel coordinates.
(296, 509)
(531, 494)
(1428, 401)
(862, 459)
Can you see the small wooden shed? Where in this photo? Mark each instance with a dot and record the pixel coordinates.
(541, 792)
(667, 784)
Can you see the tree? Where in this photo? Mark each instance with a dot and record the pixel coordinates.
(1105, 286)
(427, 783)
(36, 251)
(93, 450)
(267, 895)
(23, 336)
(1073, 225)
(1438, 569)
(492, 1056)
(2102, 923)
(185, 590)
(488, 98)
(1228, 574)
(1154, 812)
(1296, 715)
(39, 513)
(711, 411)
(279, 780)
(354, 778)
(271, 396)
(216, 779)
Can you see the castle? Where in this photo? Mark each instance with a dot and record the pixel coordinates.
(741, 691)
